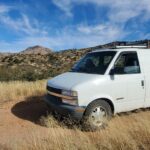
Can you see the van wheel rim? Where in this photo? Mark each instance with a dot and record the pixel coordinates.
(98, 116)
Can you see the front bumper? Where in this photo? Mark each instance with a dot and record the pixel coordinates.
(55, 104)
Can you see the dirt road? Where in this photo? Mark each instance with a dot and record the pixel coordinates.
(20, 129)
(19, 120)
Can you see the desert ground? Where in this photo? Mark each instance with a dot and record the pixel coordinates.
(26, 123)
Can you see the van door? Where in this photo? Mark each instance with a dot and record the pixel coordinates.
(127, 66)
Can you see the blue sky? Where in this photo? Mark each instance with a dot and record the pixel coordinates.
(64, 24)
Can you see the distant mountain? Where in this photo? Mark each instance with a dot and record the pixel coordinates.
(36, 50)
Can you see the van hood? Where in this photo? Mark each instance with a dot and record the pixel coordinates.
(70, 79)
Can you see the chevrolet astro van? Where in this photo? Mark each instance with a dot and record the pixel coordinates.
(104, 82)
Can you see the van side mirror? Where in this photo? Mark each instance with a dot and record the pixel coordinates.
(112, 71)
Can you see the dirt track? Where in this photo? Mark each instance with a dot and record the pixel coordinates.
(17, 120)
(20, 127)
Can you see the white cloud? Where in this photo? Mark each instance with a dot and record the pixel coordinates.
(78, 36)
(119, 10)
(4, 9)
(22, 25)
(64, 5)
(92, 29)
(71, 37)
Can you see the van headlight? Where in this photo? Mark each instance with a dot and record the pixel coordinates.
(71, 97)
(69, 93)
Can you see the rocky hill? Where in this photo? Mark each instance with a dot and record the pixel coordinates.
(37, 66)
(40, 63)
(37, 50)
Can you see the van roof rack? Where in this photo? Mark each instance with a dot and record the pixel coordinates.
(142, 44)
(131, 46)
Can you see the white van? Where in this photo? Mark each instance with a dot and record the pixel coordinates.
(101, 84)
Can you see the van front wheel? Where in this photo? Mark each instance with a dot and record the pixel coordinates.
(96, 115)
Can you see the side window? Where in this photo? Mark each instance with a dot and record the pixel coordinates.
(127, 63)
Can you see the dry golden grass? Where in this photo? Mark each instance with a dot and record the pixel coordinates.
(124, 132)
(19, 90)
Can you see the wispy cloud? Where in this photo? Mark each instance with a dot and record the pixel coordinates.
(96, 29)
(71, 37)
(119, 10)
(64, 5)
(4, 9)
(77, 34)
(22, 25)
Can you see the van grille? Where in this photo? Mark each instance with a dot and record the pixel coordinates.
(55, 90)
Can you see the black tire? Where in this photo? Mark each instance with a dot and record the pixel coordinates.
(88, 124)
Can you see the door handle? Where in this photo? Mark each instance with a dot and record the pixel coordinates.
(142, 83)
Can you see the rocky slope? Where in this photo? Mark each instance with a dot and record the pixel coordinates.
(37, 66)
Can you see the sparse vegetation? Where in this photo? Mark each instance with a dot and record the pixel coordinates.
(19, 90)
(36, 66)
(126, 131)
(31, 67)
(27, 123)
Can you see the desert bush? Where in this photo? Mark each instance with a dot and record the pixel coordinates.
(36, 67)
(25, 73)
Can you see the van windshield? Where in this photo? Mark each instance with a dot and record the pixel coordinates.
(94, 63)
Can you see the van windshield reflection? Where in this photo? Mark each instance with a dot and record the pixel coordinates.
(94, 63)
